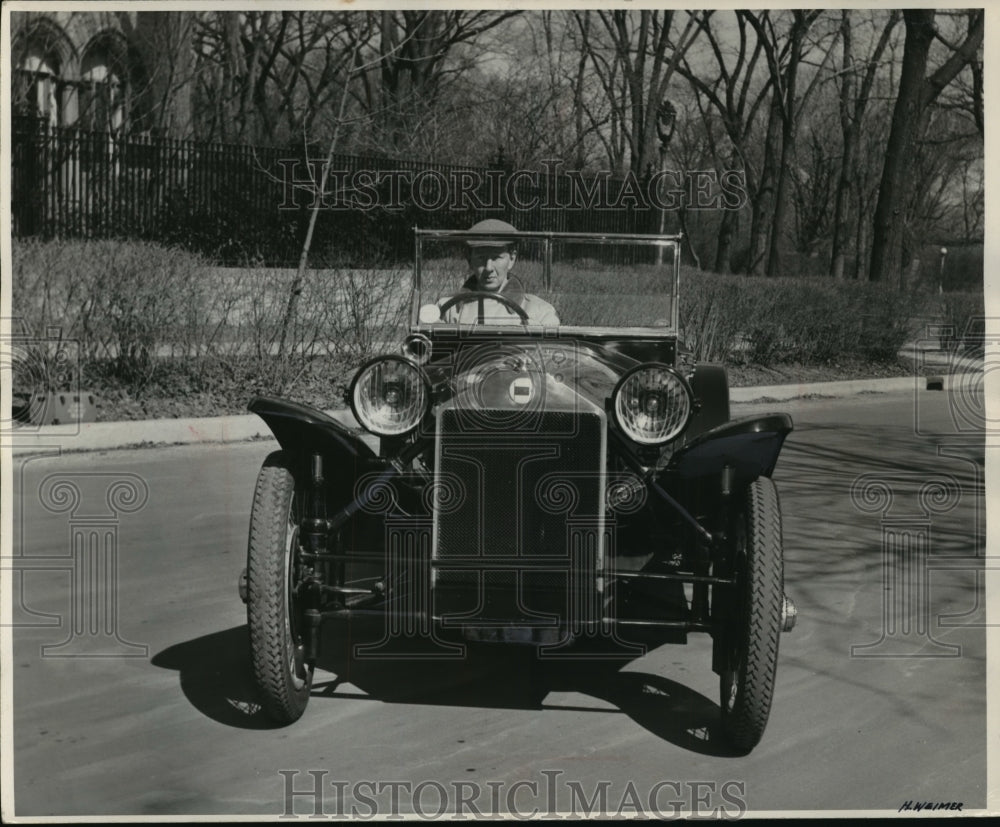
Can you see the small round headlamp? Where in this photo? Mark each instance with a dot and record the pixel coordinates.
(652, 404)
(389, 396)
(417, 348)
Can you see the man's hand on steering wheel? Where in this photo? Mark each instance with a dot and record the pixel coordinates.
(481, 296)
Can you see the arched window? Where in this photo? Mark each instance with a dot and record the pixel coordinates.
(38, 90)
(104, 87)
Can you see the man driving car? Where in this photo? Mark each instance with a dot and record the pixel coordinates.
(491, 261)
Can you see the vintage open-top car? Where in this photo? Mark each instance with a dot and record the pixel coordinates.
(551, 469)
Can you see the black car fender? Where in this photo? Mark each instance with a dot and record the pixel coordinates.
(710, 389)
(302, 431)
(749, 445)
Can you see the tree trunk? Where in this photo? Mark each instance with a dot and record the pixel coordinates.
(894, 189)
(841, 225)
(789, 127)
(578, 87)
(841, 219)
(852, 107)
(860, 243)
(763, 208)
(728, 227)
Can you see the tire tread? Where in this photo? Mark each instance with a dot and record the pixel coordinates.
(745, 726)
(266, 591)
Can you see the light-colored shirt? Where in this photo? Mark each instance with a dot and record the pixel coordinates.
(539, 311)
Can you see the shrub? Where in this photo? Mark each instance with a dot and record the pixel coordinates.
(963, 319)
(887, 319)
(116, 299)
(146, 315)
(713, 314)
(769, 321)
(162, 319)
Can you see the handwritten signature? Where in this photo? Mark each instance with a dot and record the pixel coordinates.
(917, 806)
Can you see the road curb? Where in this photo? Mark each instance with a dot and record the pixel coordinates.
(104, 436)
(849, 387)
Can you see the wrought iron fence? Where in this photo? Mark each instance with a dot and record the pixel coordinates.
(239, 204)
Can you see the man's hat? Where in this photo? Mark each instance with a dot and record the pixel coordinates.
(491, 226)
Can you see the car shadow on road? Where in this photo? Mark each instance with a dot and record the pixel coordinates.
(215, 677)
(667, 709)
(515, 677)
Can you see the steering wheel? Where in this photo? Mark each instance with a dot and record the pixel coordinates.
(481, 295)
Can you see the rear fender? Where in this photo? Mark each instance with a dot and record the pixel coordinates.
(749, 445)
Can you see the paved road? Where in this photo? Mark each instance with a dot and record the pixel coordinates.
(169, 726)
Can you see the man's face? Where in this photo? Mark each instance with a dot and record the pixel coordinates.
(491, 266)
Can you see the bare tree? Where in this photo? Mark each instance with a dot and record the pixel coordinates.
(414, 47)
(785, 53)
(853, 101)
(946, 181)
(965, 93)
(917, 91)
(540, 102)
(577, 112)
(634, 53)
(295, 288)
(602, 111)
(814, 185)
(164, 39)
(736, 93)
(267, 77)
(239, 51)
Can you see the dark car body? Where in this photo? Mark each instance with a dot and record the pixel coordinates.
(574, 487)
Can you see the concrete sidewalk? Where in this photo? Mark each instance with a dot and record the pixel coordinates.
(102, 436)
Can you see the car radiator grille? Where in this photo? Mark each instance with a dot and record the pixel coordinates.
(519, 520)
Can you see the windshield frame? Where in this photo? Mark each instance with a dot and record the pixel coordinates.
(671, 242)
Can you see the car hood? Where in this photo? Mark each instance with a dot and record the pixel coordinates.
(538, 375)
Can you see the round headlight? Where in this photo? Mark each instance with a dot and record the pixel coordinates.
(417, 348)
(652, 404)
(390, 396)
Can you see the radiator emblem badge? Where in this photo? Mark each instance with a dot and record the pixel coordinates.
(521, 390)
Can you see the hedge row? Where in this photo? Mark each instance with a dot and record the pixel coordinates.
(770, 321)
(135, 310)
(127, 306)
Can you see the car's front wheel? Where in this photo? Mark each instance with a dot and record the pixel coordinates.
(753, 624)
(274, 617)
